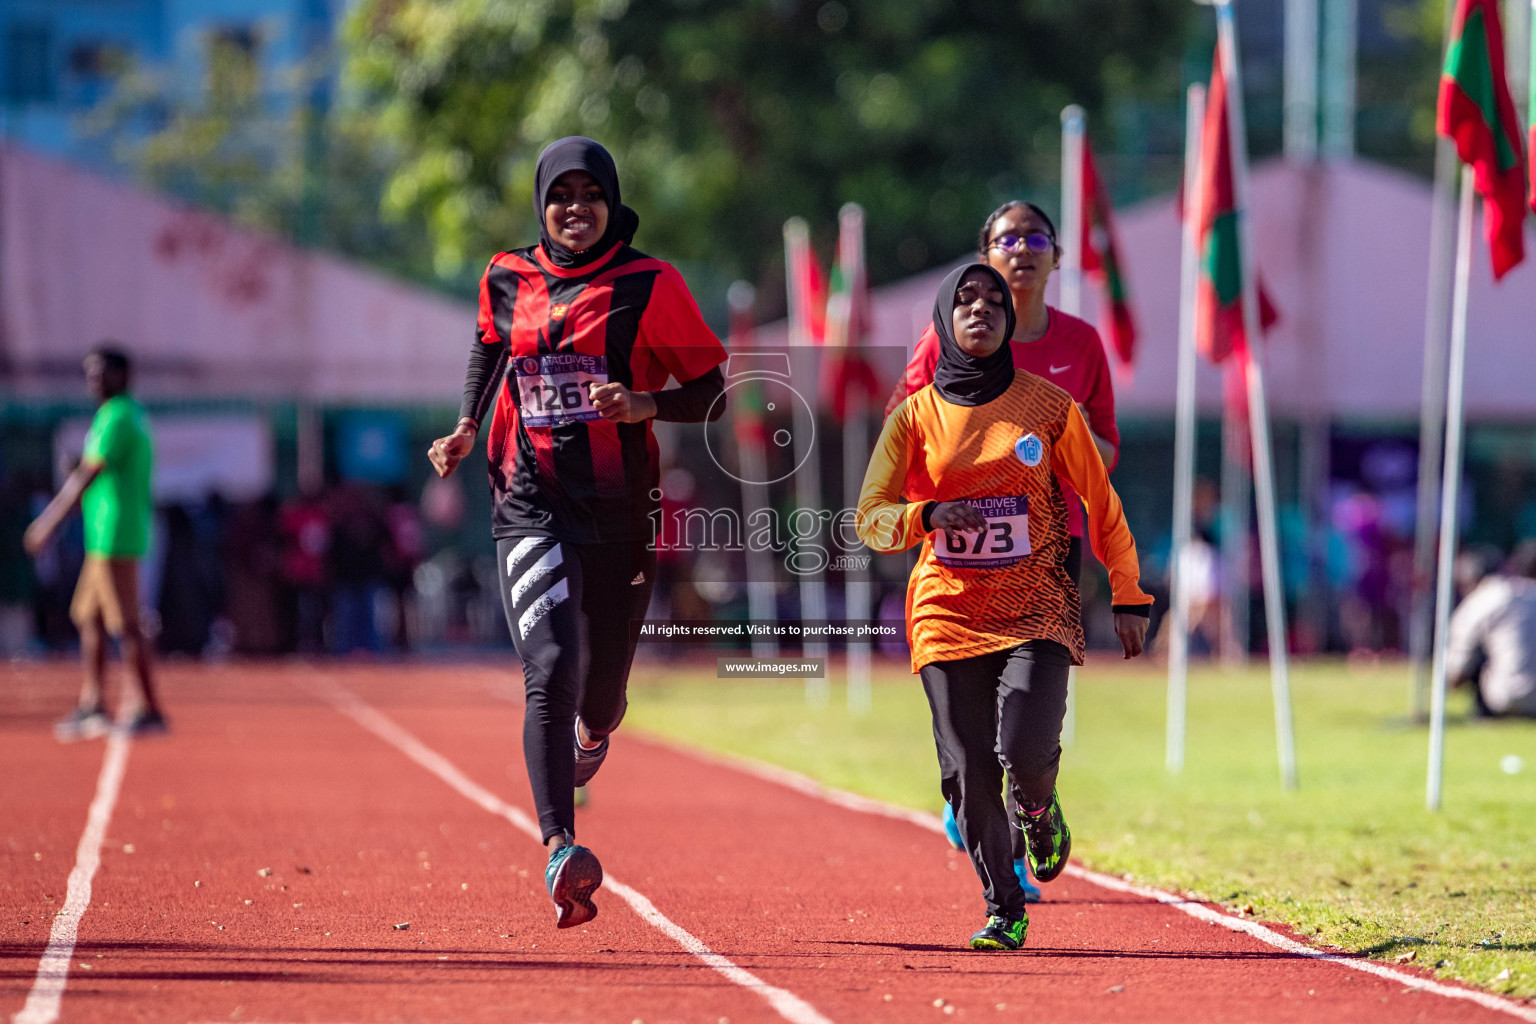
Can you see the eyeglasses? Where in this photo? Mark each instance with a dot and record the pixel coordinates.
(1035, 242)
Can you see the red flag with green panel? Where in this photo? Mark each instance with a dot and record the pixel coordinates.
(1219, 329)
(848, 321)
(1101, 261)
(807, 287)
(1477, 113)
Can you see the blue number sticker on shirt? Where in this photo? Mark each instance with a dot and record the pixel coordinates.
(1029, 449)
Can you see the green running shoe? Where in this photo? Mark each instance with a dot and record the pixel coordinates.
(1049, 839)
(1001, 933)
(572, 877)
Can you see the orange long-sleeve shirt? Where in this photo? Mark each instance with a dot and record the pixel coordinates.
(1010, 584)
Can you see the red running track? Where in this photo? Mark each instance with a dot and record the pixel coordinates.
(258, 859)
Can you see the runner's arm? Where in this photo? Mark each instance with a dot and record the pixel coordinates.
(1076, 459)
(487, 362)
(674, 331)
(885, 523)
(62, 504)
(694, 400)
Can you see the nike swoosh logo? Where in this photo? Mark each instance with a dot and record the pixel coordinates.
(1061, 369)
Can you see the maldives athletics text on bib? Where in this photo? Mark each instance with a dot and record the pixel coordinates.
(555, 388)
(1004, 541)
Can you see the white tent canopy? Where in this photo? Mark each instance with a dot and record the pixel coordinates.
(206, 308)
(1343, 251)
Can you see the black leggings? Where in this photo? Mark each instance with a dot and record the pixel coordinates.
(1074, 570)
(995, 713)
(569, 607)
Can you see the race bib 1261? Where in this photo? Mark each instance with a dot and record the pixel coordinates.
(1004, 541)
(554, 389)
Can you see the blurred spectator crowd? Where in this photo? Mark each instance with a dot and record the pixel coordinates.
(340, 570)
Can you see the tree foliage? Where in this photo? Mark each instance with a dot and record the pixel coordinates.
(726, 118)
(264, 154)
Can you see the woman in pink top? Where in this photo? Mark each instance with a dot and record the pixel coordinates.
(1019, 241)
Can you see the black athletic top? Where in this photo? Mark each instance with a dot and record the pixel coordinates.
(545, 335)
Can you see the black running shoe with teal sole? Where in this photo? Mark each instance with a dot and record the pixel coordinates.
(146, 723)
(1001, 933)
(1048, 838)
(572, 877)
(588, 761)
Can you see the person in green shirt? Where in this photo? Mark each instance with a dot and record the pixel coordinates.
(112, 486)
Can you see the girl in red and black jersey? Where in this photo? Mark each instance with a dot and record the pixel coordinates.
(578, 336)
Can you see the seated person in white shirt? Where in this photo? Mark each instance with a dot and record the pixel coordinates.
(1492, 643)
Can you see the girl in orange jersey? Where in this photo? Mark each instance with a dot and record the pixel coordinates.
(1018, 240)
(993, 615)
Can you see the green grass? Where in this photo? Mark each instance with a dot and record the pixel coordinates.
(1352, 859)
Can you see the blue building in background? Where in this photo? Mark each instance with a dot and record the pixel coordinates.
(60, 58)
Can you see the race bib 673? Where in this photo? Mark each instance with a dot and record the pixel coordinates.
(1004, 541)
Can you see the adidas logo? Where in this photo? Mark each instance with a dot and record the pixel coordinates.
(639, 579)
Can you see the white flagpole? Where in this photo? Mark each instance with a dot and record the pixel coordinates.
(813, 587)
(1299, 87)
(1431, 420)
(858, 592)
(1236, 498)
(754, 495)
(1258, 413)
(1074, 125)
(1421, 622)
(1450, 491)
(1184, 433)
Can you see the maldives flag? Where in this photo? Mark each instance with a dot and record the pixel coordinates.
(1219, 327)
(848, 317)
(806, 284)
(1477, 113)
(1102, 261)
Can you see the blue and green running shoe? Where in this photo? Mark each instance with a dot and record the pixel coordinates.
(1020, 868)
(1001, 933)
(1048, 838)
(1031, 890)
(572, 877)
(952, 827)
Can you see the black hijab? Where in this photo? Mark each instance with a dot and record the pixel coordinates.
(575, 153)
(964, 379)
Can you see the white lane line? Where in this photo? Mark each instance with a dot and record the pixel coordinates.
(867, 805)
(42, 1006)
(788, 1005)
(1274, 938)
